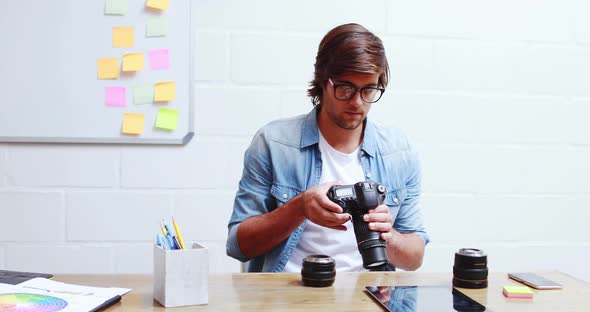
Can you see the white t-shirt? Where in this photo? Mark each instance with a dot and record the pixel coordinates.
(316, 239)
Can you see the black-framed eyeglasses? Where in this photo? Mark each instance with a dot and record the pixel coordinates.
(347, 91)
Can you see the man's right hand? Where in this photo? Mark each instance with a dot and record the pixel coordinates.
(319, 209)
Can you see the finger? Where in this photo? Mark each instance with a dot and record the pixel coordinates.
(386, 236)
(326, 203)
(378, 217)
(380, 226)
(337, 227)
(380, 208)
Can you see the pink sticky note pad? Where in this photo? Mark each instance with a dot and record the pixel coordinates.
(115, 97)
(519, 296)
(159, 59)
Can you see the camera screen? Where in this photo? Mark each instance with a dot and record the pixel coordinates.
(344, 191)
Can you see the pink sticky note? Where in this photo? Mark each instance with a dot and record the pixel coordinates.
(159, 59)
(115, 96)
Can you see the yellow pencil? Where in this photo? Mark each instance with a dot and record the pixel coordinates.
(178, 235)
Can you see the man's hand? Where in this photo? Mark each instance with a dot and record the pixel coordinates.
(319, 209)
(380, 220)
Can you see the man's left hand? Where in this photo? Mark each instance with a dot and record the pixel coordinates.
(380, 220)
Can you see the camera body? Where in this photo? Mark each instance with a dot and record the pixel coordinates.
(356, 199)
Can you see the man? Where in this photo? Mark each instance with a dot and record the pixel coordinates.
(281, 211)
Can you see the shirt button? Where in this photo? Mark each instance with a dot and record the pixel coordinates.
(395, 200)
(363, 153)
(285, 196)
(368, 174)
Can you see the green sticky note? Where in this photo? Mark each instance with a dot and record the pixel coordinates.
(143, 94)
(115, 7)
(156, 26)
(167, 119)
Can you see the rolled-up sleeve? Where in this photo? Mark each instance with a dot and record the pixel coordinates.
(409, 218)
(253, 197)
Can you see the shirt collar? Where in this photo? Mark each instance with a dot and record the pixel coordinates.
(310, 133)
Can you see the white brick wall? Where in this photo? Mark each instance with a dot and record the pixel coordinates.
(494, 93)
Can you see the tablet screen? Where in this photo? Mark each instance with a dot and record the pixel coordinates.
(422, 299)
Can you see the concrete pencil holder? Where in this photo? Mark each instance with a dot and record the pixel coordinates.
(181, 276)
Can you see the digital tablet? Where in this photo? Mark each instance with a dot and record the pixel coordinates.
(422, 299)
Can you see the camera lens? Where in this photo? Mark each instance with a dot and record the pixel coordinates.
(318, 271)
(470, 269)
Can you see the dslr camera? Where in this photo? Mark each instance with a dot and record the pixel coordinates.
(356, 199)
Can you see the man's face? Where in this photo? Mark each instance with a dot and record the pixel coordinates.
(348, 114)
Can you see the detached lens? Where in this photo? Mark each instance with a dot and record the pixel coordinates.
(318, 271)
(470, 269)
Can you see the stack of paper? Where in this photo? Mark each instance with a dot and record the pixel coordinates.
(517, 292)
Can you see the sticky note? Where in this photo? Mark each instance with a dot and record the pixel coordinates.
(156, 26)
(158, 4)
(122, 37)
(167, 119)
(133, 123)
(165, 91)
(143, 94)
(115, 7)
(159, 59)
(133, 62)
(108, 68)
(517, 292)
(115, 96)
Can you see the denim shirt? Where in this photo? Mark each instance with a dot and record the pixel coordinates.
(284, 160)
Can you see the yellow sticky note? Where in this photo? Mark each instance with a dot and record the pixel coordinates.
(123, 37)
(167, 119)
(158, 4)
(108, 68)
(133, 62)
(165, 91)
(133, 123)
(518, 290)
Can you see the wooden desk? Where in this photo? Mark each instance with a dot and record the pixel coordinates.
(284, 292)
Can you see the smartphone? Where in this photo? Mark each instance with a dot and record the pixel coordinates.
(534, 280)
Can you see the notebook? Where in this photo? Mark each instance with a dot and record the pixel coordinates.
(16, 277)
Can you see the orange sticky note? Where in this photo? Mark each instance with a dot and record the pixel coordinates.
(108, 68)
(133, 62)
(133, 123)
(158, 4)
(123, 37)
(165, 91)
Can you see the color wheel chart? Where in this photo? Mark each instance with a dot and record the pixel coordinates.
(30, 303)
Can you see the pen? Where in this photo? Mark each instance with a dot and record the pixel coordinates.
(162, 226)
(176, 242)
(178, 235)
(170, 241)
(107, 303)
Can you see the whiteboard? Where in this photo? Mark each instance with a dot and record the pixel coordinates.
(49, 89)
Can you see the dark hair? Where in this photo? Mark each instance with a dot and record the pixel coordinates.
(348, 48)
